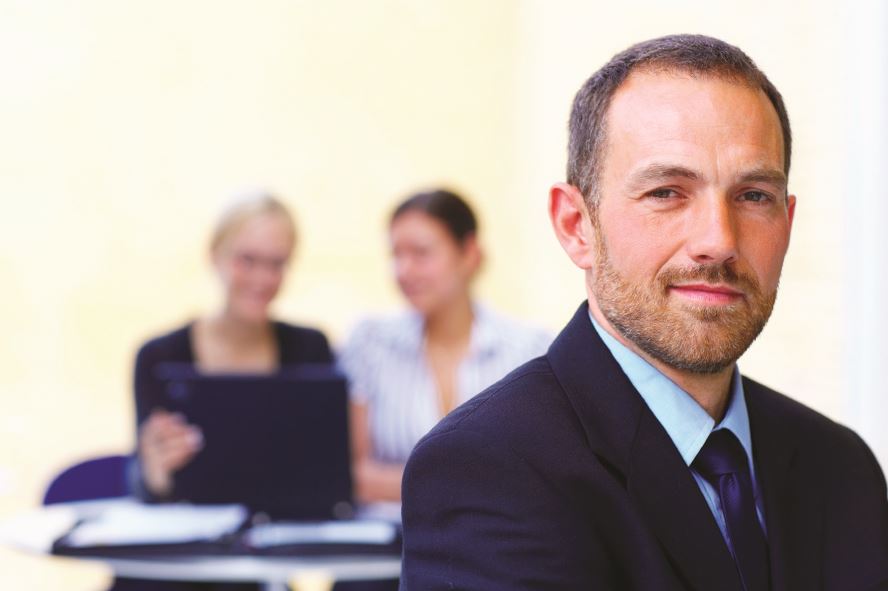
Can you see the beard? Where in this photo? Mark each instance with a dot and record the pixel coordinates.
(698, 338)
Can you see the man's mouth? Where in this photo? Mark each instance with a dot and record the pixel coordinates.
(706, 293)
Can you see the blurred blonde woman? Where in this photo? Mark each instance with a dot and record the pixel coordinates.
(407, 371)
(250, 250)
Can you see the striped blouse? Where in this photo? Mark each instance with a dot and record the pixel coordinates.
(385, 362)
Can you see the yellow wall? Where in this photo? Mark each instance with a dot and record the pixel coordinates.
(127, 125)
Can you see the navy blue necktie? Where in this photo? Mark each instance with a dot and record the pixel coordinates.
(723, 463)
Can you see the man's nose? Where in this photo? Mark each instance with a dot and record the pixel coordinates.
(712, 236)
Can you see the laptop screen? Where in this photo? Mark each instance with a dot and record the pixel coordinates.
(276, 443)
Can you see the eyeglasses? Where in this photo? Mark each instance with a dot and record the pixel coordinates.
(250, 261)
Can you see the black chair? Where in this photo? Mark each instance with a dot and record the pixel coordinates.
(104, 478)
(98, 478)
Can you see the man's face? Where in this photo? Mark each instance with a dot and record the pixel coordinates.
(692, 221)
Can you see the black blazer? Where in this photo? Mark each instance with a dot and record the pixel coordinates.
(560, 477)
(296, 344)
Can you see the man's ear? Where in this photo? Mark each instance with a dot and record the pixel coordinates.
(573, 228)
(790, 208)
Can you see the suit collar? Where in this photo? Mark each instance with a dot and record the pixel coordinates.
(627, 438)
(581, 361)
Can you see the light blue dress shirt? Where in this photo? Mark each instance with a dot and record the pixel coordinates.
(685, 421)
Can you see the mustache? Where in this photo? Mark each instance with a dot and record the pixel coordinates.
(715, 273)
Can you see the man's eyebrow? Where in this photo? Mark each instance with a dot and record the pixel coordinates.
(764, 175)
(659, 172)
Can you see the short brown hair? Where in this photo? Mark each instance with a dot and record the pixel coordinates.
(694, 54)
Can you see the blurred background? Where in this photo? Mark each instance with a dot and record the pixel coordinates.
(125, 127)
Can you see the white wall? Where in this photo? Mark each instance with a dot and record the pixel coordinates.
(864, 201)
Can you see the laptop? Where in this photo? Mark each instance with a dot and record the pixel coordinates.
(275, 443)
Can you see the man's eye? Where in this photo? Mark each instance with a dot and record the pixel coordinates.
(662, 193)
(755, 196)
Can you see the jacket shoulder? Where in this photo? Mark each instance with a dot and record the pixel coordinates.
(302, 344)
(511, 405)
(505, 476)
(524, 422)
(792, 414)
(837, 447)
(174, 345)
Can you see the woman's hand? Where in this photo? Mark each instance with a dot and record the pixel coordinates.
(166, 444)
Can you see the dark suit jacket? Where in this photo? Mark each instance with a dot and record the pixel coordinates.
(560, 477)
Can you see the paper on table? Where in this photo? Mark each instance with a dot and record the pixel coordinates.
(35, 531)
(135, 523)
(380, 511)
(330, 532)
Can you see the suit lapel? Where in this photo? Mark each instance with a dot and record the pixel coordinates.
(623, 432)
(793, 512)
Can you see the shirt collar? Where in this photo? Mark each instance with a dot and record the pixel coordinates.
(685, 421)
(485, 337)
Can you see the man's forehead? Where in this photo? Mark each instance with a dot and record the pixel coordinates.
(659, 107)
(662, 83)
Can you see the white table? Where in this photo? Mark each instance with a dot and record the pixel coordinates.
(35, 532)
(305, 574)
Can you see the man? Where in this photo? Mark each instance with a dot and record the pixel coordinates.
(633, 456)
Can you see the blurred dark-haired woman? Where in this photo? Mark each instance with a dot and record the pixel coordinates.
(409, 370)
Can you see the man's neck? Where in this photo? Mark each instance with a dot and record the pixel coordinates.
(710, 391)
